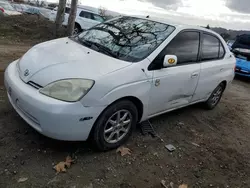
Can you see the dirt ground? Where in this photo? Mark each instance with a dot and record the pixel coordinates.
(212, 151)
(212, 147)
(19, 33)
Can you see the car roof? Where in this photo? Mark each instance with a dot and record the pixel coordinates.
(178, 26)
(79, 7)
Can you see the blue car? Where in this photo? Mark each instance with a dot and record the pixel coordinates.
(242, 65)
(241, 49)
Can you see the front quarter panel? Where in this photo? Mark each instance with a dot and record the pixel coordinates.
(126, 82)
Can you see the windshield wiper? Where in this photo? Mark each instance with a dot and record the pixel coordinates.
(99, 47)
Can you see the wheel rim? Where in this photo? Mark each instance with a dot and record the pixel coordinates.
(117, 126)
(216, 96)
(75, 31)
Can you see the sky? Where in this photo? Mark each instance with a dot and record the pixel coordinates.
(231, 14)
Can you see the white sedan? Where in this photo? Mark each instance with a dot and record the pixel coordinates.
(104, 81)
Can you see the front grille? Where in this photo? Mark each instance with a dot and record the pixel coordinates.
(33, 84)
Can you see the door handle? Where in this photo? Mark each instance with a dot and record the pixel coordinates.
(221, 69)
(194, 75)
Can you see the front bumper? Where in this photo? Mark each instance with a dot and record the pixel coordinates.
(53, 118)
(242, 74)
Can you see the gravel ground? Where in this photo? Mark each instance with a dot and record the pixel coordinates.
(212, 151)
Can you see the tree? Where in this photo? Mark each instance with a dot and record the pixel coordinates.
(225, 36)
(60, 16)
(102, 11)
(72, 17)
(208, 27)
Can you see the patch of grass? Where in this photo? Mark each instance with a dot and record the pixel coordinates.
(15, 29)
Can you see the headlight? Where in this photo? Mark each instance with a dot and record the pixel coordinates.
(69, 90)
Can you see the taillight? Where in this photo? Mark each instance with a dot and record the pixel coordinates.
(1, 9)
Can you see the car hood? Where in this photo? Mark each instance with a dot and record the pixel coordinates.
(243, 64)
(63, 58)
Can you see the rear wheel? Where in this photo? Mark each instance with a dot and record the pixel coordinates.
(115, 125)
(215, 97)
(77, 29)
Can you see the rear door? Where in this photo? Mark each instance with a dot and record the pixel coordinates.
(174, 86)
(85, 19)
(214, 67)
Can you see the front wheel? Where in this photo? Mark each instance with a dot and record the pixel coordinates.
(77, 29)
(215, 97)
(115, 125)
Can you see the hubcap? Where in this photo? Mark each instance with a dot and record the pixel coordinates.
(117, 126)
(216, 96)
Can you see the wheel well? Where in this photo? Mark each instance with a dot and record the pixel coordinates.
(137, 102)
(224, 83)
(78, 25)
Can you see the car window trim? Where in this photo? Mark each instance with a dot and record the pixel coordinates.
(152, 67)
(220, 43)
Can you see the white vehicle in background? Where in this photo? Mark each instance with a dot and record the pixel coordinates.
(102, 82)
(20, 7)
(7, 10)
(85, 19)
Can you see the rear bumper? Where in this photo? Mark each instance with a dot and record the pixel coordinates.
(53, 118)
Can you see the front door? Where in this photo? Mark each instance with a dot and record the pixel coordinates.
(174, 86)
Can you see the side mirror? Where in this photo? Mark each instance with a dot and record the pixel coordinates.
(169, 60)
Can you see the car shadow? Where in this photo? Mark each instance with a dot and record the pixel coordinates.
(73, 147)
(242, 78)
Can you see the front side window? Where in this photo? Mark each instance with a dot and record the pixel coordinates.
(126, 38)
(210, 48)
(185, 46)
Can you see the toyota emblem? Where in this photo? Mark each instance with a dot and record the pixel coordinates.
(26, 72)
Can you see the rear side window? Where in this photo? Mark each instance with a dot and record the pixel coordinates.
(185, 46)
(212, 49)
(85, 15)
